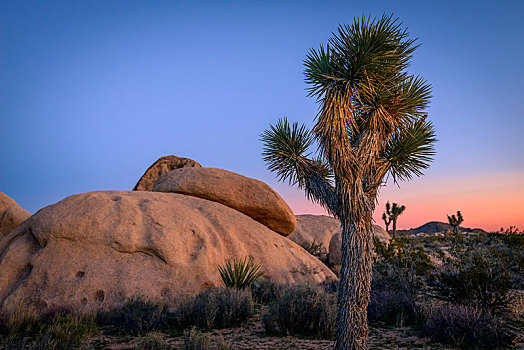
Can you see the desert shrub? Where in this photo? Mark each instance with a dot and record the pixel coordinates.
(264, 291)
(393, 306)
(56, 329)
(239, 273)
(19, 323)
(136, 316)
(152, 341)
(329, 286)
(399, 273)
(404, 253)
(197, 340)
(511, 252)
(317, 250)
(67, 331)
(477, 276)
(215, 308)
(302, 310)
(466, 327)
(507, 249)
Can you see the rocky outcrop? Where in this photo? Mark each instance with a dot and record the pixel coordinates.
(335, 254)
(96, 249)
(249, 196)
(11, 214)
(381, 234)
(160, 167)
(315, 228)
(435, 227)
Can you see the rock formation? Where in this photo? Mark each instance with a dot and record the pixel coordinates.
(96, 249)
(160, 167)
(315, 228)
(11, 214)
(249, 196)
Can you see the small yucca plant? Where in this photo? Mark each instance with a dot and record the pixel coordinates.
(239, 273)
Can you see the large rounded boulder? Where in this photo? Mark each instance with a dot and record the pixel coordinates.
(249, 196)
(95, 250)
(11, 214)
(315, 229)
(335, 245)
(160, 167)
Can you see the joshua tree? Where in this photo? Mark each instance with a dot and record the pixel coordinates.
(455, 221)
(371, 123)
(387, 219)
(392, 213)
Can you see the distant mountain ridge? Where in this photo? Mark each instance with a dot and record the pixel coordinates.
(436, 227)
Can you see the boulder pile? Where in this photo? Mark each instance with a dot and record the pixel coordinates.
(97, 249)
(323, 229)
(249, 196)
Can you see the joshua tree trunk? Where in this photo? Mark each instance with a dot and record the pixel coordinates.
(395, 228)
(355, 282)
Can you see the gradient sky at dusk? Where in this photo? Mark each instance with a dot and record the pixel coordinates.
(92, 92)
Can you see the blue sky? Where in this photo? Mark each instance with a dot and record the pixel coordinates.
(92, 92)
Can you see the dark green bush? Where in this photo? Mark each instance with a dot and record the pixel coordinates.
(399, 273)
(152, 341)
(317, 250)
(136, 316)
(404, 253)
(475, 275)
(302, 310)
(466, 327)
(393, 306)
(265, 291)
(196, 340)
(57, 329)
(215, 308)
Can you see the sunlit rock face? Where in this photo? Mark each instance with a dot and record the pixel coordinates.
(11, 214)
(96, 249)
(160, 167)
(315, 229)
(249, 196)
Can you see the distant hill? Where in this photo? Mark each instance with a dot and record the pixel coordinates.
(435, 227)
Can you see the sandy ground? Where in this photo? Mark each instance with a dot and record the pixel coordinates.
(252, 336)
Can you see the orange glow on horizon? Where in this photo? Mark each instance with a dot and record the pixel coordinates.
(488, 201)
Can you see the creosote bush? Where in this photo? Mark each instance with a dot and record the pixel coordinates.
(317, 250)
(304, 310)
(393, 306)
(215, 308)
(477, 276)
(466, 327)
(152, 341)
(56, 329)
(197, 340)
(265, 291)
(136, 316)
(398, 277)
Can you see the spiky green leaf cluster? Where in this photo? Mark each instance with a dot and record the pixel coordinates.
(239, 273)
(371, 122)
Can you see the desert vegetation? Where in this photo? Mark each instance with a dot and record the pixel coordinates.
(203, 258)
(441, 291)
(391, 215)
(371, 123)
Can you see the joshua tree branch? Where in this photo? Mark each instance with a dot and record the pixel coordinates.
(285, 152)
